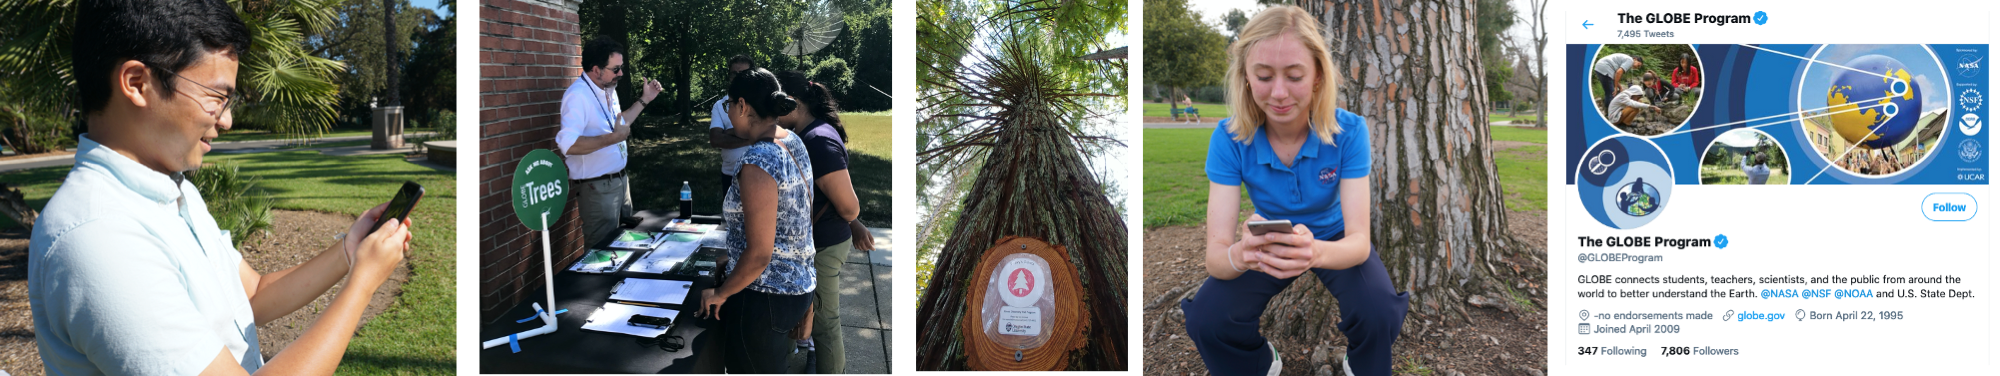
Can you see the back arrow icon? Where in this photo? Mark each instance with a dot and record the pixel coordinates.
(1586, 24)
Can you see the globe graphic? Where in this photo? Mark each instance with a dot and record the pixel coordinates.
(1897, 97)
(1638, 198)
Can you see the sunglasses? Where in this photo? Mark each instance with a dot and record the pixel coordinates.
(216, 104)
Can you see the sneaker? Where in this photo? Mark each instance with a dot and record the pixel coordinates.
(1277, 361)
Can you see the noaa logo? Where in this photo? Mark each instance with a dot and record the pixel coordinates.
(1327, 176)
(1969, 124)
(1969, 150)
(1968, 64)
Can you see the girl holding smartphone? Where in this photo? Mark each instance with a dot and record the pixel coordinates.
(1303, 160)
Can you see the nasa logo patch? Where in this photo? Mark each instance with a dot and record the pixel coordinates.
(1327, 176)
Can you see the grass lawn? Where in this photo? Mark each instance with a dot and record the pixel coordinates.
(258, 135)
(1520, 134)
(1208, 110)
(416, 334)
(1524, 170)
(1735, 175)
(1176, 189)
(1524, 176)
(664, 155)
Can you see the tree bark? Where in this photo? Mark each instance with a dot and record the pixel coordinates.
(1438, 216)
(1034, 184)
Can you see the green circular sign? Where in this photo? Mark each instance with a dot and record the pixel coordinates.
(541, 185)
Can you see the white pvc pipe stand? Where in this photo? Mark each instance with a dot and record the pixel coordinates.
(548, 316)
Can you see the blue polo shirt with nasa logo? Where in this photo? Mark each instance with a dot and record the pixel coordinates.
(1308, 191)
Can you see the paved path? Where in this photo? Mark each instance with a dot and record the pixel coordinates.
(865, 306)
(231, 147)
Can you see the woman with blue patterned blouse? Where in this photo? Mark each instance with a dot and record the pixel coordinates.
(767, 288)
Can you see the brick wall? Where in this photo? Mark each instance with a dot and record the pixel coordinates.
(528, 53)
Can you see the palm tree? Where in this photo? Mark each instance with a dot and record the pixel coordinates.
(1009, 113)
(286, 88)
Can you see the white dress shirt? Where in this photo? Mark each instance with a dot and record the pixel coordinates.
(588, 110)
(732, 159)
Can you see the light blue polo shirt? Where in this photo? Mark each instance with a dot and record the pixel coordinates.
(128, 274)
(1308, 191)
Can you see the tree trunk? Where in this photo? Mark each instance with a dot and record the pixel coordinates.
(1412, 70)
(1034, 184)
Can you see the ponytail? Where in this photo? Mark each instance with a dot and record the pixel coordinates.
(818, 100)
(759, 89)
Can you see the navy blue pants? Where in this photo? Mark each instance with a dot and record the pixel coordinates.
(1222, 318)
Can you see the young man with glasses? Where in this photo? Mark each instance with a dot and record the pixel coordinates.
(128, 273)
(721, 133)
(593, 137)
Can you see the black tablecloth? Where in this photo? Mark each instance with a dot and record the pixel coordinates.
(570, 349)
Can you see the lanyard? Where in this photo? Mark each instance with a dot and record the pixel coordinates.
(603, 108)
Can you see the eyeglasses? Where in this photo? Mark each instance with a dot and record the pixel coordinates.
(617, 69)
(217, 104)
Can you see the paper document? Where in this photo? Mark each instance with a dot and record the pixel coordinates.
(684, 226)
(652, 291)
(614, 317)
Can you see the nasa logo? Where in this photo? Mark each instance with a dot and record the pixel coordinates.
(1327, 176)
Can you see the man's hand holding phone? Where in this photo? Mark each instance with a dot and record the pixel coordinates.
(377, 241)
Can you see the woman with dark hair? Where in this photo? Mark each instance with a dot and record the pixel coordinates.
(836, 211)
(767, 288)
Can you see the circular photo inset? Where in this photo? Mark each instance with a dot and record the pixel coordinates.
(1624, 181)
(1745, 156)
(1879, 111)
(1646, 89)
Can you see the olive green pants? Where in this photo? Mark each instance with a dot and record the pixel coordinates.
(826, 333)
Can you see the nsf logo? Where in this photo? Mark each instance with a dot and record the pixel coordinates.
(1969, 150)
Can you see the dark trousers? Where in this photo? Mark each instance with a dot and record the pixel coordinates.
(1608, 86)
(758, 328)
(1222, 318)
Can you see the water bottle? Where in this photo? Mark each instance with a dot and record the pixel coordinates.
(687, 200)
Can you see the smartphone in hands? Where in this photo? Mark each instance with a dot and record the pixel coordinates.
(1265, 227)
(399, 207)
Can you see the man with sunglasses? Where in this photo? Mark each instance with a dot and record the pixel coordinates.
(128, 273)
(593, 137)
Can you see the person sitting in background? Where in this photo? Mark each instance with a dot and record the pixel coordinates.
(767, 288)
(128, 273)
(1686, 78)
